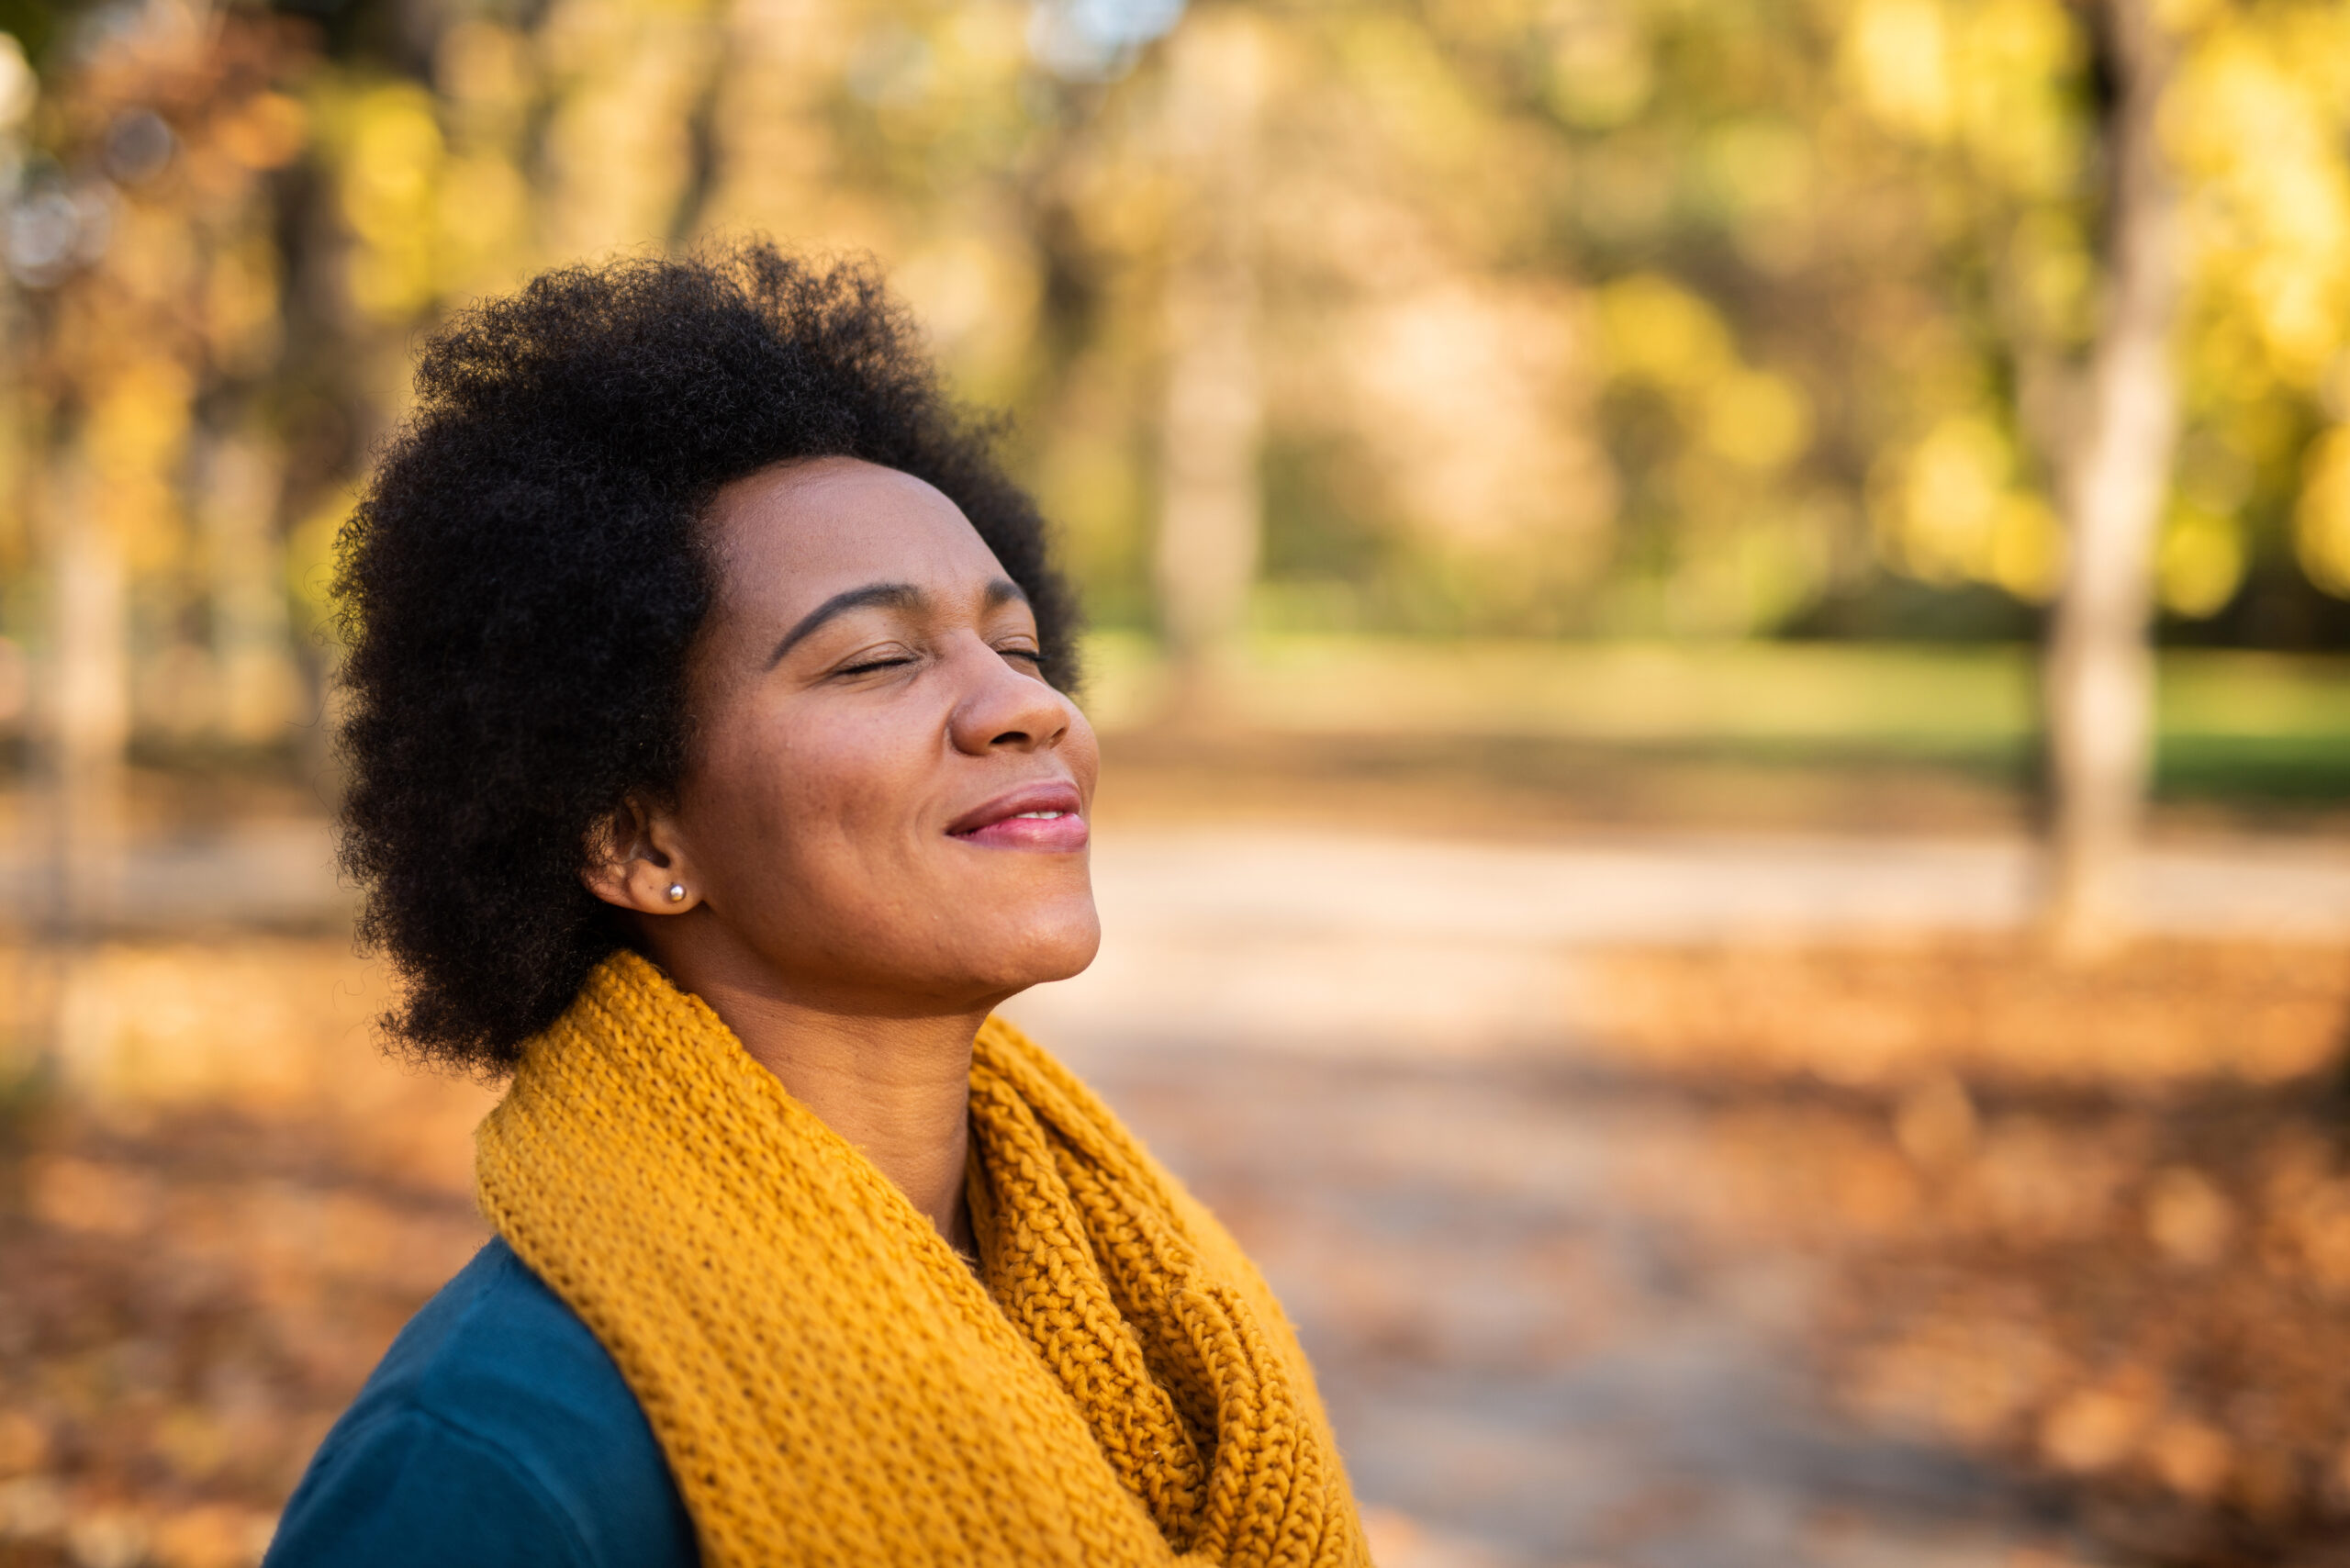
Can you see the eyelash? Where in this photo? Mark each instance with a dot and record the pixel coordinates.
(1031, 654)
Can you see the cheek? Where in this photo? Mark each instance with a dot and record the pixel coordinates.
(820, 837)
(790, 803)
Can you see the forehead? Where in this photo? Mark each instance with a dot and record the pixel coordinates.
(795, 535)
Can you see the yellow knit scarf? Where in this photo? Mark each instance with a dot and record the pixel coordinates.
(829, 1381)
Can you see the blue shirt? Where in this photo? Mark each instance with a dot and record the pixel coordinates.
(496, 1431)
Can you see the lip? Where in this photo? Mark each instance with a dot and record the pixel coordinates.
(1004, 822)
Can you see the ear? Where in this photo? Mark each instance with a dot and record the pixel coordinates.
(635, 861)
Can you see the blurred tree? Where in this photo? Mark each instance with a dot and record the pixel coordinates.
(143, 245)
(2114, 468)
(1613, 317)
(1211, 503)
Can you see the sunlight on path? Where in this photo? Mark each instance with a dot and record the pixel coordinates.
(1541, 1340)
(1365, 944)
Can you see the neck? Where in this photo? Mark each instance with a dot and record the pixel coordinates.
(895, 1084)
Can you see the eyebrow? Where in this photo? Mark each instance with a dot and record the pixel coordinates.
(892, 596)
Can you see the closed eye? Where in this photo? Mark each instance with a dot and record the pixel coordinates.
(869, 665)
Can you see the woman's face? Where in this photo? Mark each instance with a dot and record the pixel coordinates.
(884, 803)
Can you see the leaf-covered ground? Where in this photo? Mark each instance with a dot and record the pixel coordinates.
(1931, 1253)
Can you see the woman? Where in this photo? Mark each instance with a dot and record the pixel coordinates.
(712, 775)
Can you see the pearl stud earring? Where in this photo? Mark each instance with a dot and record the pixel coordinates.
(677, 892)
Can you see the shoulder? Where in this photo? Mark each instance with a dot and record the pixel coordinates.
(496, 1430)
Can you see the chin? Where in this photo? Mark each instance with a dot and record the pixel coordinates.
(1040, 952)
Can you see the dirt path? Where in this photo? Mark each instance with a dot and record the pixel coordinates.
(1157, 879)
(1541, 1339)
(1568, 1306)
(1407, 947)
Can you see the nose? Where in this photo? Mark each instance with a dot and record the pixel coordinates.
(1002, 707)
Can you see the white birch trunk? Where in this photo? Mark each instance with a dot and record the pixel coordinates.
(2099, 671)
(1211, 503)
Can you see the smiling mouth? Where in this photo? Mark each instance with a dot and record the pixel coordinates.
(1041, 817)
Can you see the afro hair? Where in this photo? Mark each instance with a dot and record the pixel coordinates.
(523, 579)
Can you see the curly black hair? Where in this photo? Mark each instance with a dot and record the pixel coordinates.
(523, 579)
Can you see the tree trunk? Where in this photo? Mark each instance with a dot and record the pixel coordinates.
(2100, 670)
(1210, 501)
(86, 707)
(252, 636)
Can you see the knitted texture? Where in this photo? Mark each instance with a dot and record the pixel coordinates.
(829, 1381)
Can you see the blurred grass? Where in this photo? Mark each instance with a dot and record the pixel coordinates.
(2233, 725)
